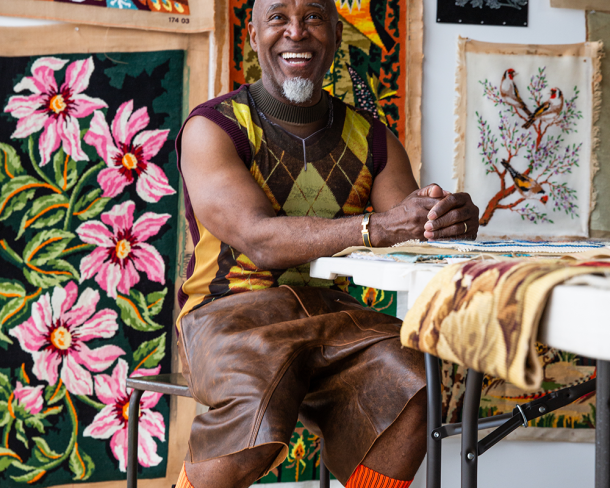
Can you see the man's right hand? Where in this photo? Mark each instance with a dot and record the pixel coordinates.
(407, 219)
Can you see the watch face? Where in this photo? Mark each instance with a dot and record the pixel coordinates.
(485, 12)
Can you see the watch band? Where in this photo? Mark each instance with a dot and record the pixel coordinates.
(365, 231)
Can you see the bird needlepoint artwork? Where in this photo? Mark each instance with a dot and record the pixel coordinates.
(526, 134)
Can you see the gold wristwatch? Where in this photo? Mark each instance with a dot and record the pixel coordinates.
(365, 231)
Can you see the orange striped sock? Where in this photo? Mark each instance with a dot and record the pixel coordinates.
(183, 481)
(365, 477)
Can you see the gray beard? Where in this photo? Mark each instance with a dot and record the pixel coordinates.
(298, 90)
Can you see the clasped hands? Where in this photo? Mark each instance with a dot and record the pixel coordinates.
(428, 213)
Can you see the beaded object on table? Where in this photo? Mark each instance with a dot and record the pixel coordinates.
(511, 246)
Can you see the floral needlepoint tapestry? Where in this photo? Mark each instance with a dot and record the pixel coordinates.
(88, 238)
(526, 136)
(164, 15)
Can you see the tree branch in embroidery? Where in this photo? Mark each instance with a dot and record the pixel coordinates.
(523, 133)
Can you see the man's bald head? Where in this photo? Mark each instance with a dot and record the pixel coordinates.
(265, 5)
(295, 39)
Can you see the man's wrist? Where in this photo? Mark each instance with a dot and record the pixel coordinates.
(376, 231)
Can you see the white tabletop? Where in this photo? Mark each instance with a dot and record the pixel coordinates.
(576, 319)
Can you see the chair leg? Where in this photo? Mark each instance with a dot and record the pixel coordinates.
(324, 472)
(434, 445)
(132, 438)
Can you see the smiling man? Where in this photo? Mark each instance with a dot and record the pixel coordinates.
(278, 174)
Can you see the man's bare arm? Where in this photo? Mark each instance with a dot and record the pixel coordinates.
(394, 194)
(231, 205)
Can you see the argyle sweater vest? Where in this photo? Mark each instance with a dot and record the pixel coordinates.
(341, 167)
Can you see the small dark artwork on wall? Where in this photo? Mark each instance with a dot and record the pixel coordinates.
(486, 12)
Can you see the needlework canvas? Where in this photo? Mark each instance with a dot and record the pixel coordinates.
(89, 233)
(598, 29)
(496, 310)
(163, 15)
(377, 68)
(526, 135)
(484, 12)
(582, 4)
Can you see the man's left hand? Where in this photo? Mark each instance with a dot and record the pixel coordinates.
(455, 216)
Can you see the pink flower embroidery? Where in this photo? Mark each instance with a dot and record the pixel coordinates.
(56, 332)
(55, 110)
(128, 157)
(122, 251)
(111, 421)
(29, 397)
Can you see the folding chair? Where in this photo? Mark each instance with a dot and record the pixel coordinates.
(170, 384)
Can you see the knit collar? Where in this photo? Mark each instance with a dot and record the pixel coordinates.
(272, 107)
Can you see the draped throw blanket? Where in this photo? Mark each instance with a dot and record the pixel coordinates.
(485, 315)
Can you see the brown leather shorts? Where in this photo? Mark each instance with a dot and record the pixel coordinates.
(263, 359)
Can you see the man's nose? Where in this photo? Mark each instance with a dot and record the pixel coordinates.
(296, 30)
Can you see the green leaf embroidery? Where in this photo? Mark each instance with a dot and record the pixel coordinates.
(5, 415)
(53, 394)
(50, 411)
(11, 289)
(155, 301)
(16, 193)
(65, 170)
(43, 447)
(81, 464)
(5, 386)
(90, 205)
(20, 430)
(35, 423)
(7, 457)
(149, 353)
(11, 163)
(46, 245)
(133, 315)
(29, 477)
(44, 212)
(39, 255)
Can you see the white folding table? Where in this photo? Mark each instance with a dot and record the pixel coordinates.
(585, 309)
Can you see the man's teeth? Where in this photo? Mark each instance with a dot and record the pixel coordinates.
(296, 55)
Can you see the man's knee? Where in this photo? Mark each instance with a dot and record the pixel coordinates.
(237, 470)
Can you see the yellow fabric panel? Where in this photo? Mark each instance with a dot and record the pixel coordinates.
(355, 130)
(244, 117)
(206, 267)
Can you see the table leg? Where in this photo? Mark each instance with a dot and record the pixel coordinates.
(602, 426)
(470, 428)
(132, 438)
(433, 379)
(324, 473)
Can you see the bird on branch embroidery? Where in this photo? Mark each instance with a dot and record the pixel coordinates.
(524, 137)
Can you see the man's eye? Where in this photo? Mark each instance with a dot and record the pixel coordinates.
(313, 17)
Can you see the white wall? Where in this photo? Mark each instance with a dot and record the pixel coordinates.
(509, 464)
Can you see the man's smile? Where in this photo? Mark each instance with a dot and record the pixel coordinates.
(297, 59)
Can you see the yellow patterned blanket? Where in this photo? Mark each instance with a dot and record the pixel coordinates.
(485, 314)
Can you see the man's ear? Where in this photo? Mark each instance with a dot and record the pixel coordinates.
(252, 34)
(338, 35)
